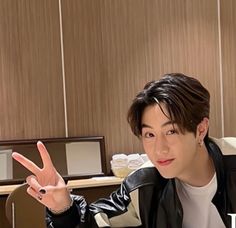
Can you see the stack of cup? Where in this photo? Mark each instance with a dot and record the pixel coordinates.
(122, 165)
(134, 161)
(119, 165)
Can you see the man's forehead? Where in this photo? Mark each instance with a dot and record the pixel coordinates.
(167, 123)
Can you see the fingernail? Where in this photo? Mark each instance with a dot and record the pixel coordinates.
(39, 197)
(42, 191)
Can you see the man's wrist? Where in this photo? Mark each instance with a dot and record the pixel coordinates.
(61, 211)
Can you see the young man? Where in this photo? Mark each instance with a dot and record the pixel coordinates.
(189, 183)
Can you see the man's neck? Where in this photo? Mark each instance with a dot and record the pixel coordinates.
(201, 171)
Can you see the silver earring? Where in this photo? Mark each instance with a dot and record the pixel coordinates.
(200, 143)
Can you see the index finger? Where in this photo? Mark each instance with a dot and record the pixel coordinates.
(46, 159)
(28, 164)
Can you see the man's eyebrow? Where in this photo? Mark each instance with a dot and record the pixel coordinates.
(168, 123)
(163, 125)
(145, 125)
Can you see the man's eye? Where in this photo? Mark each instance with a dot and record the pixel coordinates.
(171, 132)
(148, 135)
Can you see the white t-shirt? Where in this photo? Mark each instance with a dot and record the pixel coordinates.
(199, 211)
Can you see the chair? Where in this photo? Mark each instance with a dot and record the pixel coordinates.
(23, 211)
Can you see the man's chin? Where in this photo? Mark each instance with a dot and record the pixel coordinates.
(167, 175)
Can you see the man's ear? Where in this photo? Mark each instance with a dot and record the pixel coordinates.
(202, 130)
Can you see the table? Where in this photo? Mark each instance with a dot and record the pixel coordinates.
(92, 189)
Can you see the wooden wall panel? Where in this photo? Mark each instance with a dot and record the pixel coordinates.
(184, 38)
(30, 70)
(228, 34)
(83, 66)
(112, 48)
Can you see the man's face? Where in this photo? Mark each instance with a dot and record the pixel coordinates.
(172, 152)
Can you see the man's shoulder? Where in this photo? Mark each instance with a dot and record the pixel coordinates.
(147, 175)
(227, 145)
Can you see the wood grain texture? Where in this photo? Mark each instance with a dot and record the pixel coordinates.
(228, 34)
(83, 56)
(112, 48)
(84, 67)
(185, 39)
(30, 70)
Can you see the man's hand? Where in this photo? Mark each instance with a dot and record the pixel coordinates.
(45, 185)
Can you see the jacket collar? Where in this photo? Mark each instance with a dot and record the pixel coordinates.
(220, 198)
(217, 157)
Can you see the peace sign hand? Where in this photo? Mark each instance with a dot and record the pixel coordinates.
(46, 185)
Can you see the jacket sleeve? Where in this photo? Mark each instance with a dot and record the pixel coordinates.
(117, 210)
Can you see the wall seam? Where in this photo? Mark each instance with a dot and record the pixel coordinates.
(63, 68)
(220, 69)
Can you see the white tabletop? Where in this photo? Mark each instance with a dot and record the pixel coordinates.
(75, 184)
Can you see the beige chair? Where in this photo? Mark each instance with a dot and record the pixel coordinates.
(22, 211)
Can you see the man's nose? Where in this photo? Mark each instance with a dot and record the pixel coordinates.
(161, 147)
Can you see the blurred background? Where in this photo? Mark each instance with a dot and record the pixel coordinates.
(72, 67)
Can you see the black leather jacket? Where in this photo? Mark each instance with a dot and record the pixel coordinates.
(145, 199)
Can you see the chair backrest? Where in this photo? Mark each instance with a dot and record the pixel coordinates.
(23, 211)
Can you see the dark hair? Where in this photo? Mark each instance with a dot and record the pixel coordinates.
(185, 99)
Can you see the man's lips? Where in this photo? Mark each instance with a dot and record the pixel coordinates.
(163, 162)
